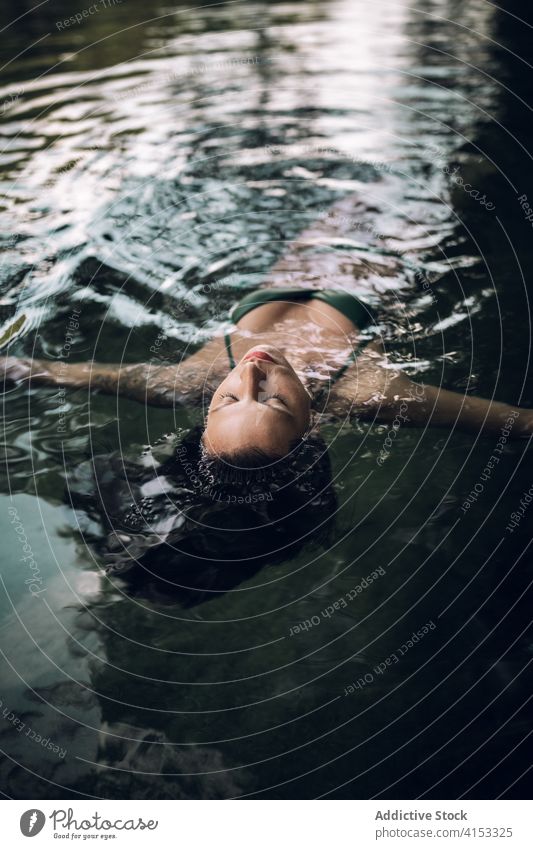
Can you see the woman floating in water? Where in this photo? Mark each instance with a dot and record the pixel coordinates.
(292, 352)
(293, 356)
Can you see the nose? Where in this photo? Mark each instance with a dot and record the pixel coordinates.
(251, 377)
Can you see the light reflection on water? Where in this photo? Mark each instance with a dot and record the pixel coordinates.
(148, 163)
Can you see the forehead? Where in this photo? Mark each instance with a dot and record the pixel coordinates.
(254, 426)
(248, 416)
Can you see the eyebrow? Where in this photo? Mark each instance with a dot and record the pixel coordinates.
(285, 410)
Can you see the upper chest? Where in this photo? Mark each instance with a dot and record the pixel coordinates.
(313, 314)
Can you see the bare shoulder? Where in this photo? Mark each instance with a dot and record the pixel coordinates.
(212, 353)
(209, 364)
(188, 377)
(165, 384)
(373, 383)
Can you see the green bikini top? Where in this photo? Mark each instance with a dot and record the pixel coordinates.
(349, 305)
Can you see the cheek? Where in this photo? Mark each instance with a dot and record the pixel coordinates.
(301, 401)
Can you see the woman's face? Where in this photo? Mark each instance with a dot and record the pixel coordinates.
(262, 404)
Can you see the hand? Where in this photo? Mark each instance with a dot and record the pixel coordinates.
(525, 422)
(15, 368)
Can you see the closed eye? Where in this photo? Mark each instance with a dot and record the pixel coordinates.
(263, 400)
(279, 398)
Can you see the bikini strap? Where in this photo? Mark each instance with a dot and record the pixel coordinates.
(227, 342)
(349, 361)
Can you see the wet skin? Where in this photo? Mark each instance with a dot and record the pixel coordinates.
(307, 341)
(261, 404)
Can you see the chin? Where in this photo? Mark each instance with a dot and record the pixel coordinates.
(272, 352)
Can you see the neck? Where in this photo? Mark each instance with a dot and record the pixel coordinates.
(313, 358)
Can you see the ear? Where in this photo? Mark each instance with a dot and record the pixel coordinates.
(312, 430)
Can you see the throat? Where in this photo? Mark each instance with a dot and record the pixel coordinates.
(315, 354)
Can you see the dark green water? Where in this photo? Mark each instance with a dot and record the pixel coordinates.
(149, 174)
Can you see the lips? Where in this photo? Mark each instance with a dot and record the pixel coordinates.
(259, 355)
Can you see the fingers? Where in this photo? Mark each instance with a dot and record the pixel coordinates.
(13, 369)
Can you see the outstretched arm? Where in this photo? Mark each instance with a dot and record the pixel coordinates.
(436, 407)
(389, 395)
(149, 383)
(142, 382)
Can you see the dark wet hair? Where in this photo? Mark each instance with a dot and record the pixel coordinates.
(181, 523)
(251, 464)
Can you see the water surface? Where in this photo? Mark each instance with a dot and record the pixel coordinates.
(152, 170)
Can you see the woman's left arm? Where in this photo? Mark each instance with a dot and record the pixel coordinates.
(156, 385)
(148, 382)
